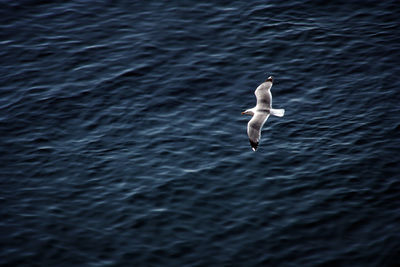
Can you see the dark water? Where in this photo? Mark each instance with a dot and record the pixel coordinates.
(122, 142)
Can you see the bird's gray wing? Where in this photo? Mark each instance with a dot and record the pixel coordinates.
(254, 128)
(263, 95)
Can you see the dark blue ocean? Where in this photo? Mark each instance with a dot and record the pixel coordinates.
(123, 144)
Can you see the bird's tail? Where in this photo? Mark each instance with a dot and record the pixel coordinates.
(277, 112)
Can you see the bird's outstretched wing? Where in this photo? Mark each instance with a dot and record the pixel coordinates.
(254, 128)
(263, 95)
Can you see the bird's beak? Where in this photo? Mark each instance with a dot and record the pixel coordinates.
(243, 113)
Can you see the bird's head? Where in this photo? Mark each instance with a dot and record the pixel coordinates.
(270, 79)
(248, 112)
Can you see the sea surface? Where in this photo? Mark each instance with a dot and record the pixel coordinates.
(123, 144)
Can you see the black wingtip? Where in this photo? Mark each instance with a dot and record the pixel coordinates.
(254, 145)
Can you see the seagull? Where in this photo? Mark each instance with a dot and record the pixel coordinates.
(261, 112)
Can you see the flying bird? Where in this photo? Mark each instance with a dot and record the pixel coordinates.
(261, 112)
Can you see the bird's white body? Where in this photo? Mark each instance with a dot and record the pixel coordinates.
(261, 112)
